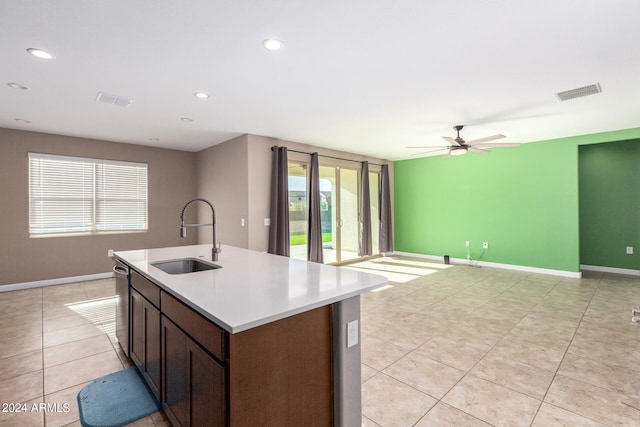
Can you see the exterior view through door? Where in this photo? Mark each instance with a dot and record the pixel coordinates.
(339, 205)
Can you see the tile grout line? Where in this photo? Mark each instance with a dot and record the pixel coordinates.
(555, 375)
(44, 418)
(485, 355)
(468, 372)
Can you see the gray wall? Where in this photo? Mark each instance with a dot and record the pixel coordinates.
(171, 180)
(222, 179)
(235, 176)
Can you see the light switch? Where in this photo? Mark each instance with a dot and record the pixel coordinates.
(353, 333)
(267, 222)
(241, 222)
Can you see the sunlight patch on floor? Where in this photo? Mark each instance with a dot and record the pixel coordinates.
(397, 269)
(101, 312)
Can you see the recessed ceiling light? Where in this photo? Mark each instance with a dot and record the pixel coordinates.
(154, 139)
(272, 44)
(22, 121)
(201, 95)
(18, 86)
(186, 119)
(39, 53)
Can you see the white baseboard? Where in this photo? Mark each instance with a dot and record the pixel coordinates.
(563, 273)
(52, 282)
(613, 270)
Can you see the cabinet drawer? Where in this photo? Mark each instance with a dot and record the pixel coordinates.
(147, 288)
(201, 329)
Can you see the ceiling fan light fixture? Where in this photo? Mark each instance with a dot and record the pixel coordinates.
(458, 151)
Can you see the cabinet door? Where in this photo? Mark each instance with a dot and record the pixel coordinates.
(175, 401)
(152, 351)
(136, 328)
(194, 383)
(145, 340)
(208, 389)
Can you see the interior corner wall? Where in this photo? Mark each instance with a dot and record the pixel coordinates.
(171, 178)
(523, 201)
(610, 204)
(222, 172)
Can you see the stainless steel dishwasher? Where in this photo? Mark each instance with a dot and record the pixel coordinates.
(121, 272)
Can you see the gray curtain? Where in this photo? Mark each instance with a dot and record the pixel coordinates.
(365, 212)
(386, 224)
(314, 232)
(279, 229)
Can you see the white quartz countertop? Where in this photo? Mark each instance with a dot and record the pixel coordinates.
(252, 288)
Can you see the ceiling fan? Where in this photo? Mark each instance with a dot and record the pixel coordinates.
(458, 146)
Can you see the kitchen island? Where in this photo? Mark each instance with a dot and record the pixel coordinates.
(262, 340)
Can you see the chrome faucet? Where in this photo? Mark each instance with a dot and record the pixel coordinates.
(183, 227)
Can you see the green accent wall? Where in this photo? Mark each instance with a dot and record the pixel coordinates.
(523, 201)
(610, 204)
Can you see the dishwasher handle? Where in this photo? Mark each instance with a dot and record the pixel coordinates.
(120, 271)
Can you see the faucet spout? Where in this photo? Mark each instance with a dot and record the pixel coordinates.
(183, 227)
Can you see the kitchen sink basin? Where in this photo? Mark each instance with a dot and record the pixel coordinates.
(184, 265)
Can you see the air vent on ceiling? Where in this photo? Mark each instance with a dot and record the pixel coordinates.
(120, 101)
(579, 92)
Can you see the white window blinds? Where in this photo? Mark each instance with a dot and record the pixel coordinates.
(78, 195)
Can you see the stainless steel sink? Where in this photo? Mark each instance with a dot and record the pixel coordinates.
(184, 265)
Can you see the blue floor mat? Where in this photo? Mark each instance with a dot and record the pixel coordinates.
(116, 399)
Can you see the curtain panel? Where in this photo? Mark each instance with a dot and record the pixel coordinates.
(386, 223)
(279, 211)
(314, 232)
(365, 212)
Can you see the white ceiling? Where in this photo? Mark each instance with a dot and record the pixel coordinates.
(364, 76)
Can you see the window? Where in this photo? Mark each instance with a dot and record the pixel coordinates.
(78, 195)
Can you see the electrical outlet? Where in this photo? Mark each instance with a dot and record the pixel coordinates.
(485, 245)
(109, 252)
(466, 243)
(629, 250)
(353, 333)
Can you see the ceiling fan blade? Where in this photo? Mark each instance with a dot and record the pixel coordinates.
(447, 155)
(485, 139)
(451, 141)
(429, 146)
(478, 150)
(431, 151)
(498, 144)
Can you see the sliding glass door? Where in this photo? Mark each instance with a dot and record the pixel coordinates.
(298, 210)
(339, 208)
(348, 213)
(374, 196)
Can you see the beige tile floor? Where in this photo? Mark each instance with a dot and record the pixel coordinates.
(54, 341)
(440, 346)
(479, 346)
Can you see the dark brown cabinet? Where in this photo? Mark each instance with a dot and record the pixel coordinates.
(145, 339)
(277, 374)
(194, 382)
